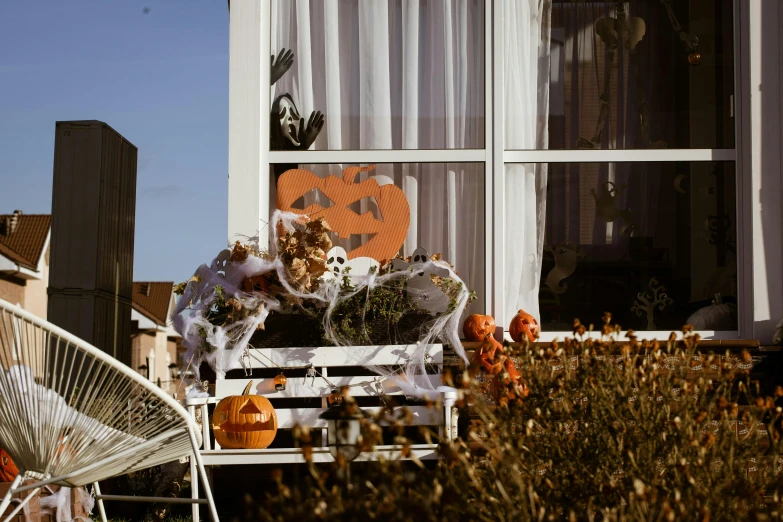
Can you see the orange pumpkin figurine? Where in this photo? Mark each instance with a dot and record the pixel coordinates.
(244, 421)
(501, 387)
(8, 470)
(477, 327)
(484, 356)
(523, 326)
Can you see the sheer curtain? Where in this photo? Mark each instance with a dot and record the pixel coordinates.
(526, 62)
(397, 74)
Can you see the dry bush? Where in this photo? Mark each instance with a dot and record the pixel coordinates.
(593, 431)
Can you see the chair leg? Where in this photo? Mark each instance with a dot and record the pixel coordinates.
(22, 504)
(9, 495)
(99, 501)
(194, 489)
(203, 476)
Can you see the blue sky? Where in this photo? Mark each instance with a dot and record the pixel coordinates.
(160, 79)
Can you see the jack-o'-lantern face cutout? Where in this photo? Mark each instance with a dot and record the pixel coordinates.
(388, 230)
(244, 421)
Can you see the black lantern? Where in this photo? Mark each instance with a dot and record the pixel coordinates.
(344, 428)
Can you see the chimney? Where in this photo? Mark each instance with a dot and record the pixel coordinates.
(11, 222)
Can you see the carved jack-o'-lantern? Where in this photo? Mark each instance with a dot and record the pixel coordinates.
(8, 470)
(388, 231)
(477, 327)
(523, 326)
(244, 421)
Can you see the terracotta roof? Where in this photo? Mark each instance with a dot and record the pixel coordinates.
(26, 243)
(152, 300)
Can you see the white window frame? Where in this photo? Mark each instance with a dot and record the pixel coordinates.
(250, 157)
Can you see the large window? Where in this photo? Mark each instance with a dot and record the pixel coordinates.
(567, 157)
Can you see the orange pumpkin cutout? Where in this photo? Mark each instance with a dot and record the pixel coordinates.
(388, 231)
(244, 421)
(8, 470)
(523, 326)
(477, 327)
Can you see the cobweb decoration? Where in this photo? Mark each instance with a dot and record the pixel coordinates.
(222, 347)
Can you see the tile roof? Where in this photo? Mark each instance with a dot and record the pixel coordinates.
(152, 300)
(26, 243)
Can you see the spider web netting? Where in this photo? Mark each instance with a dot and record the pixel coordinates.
(222, 346)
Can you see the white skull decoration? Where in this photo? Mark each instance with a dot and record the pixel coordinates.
(337, 261)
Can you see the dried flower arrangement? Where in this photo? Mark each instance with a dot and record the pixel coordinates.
(248, 297)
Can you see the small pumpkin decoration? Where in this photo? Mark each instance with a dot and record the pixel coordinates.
(477, 327)
(257, 283)
(501, 388)
(8, 470)
(388, 231)
(244, 421)
(484, 357)
(523, 326)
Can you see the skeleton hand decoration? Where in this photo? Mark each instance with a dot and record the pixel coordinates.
(284, 62)
(307, 134)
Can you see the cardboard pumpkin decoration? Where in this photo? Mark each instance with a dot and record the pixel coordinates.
(523, 326)
(388, 231)
(8, 470)
(244, 421)
(477, 327)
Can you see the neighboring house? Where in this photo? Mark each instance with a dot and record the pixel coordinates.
(24, 260)
(155, 344)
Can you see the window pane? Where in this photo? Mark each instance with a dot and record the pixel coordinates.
(614, 230)
(387, 75)
(445, 203)
(634, 90)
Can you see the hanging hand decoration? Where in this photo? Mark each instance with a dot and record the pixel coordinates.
(690, 41)
(646, 302)
(606, 206)
(388, 232)
(566, 258)
(287, 128)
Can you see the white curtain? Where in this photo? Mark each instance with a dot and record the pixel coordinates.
(526, 62)
(399, 74)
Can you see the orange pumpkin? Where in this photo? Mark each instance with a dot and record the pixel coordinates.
(484, 356)
(244, 421)
(257, 283)
(388, 231)
(501, 387)
(8, 470)
(523, 326)
(477, 327)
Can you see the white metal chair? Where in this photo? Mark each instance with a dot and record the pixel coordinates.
(71, 415)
